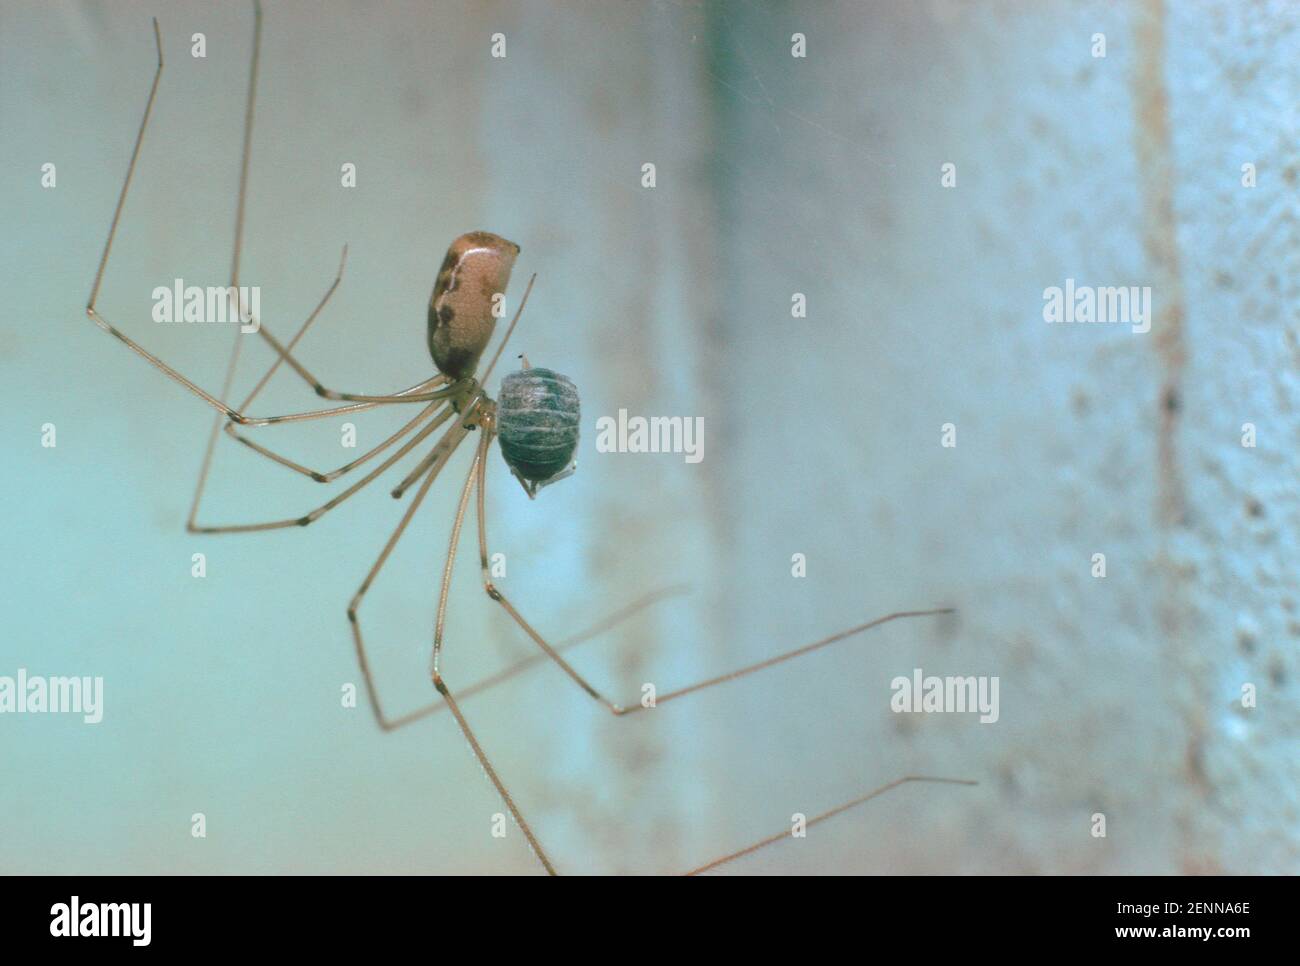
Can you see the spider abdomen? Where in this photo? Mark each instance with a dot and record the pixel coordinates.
(537, 423)
(463, 307)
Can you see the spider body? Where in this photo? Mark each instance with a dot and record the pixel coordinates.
(465, 303)
(536, 418)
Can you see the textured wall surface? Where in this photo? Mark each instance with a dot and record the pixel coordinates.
(775, 175)
(1121, 695)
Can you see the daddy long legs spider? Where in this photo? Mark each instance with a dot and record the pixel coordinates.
(535, 418)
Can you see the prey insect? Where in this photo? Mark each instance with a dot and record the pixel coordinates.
(535, 419)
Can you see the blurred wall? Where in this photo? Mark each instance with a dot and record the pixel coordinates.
(1121, 695)
(775, 175)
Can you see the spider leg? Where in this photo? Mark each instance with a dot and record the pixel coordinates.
(787, 656)
(314, 515)
(495, 594)
(103, 322)
(446, 446)
(839, 809)
(553, 653)
(433, 457)
(439, 682)
(500, 598)
(331, 475)
(595, 630)
(601, 626)
(284, 353)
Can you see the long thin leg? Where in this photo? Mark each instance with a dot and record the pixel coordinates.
(839, 809)
(553, 654)
(130, 171)
(457, 434)
(320, 511)
(317, 475)
(479, 469)
(420, 392)
(284, 352)
(432, 457)
(101, 321)
(789, 655)
(495, 594)
(234, 415)
(471, 482)
(500, 598)
(513, 322)
(233, 362)
(599, 627)
(500, 677)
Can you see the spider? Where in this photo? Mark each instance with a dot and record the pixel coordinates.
(535, 419)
